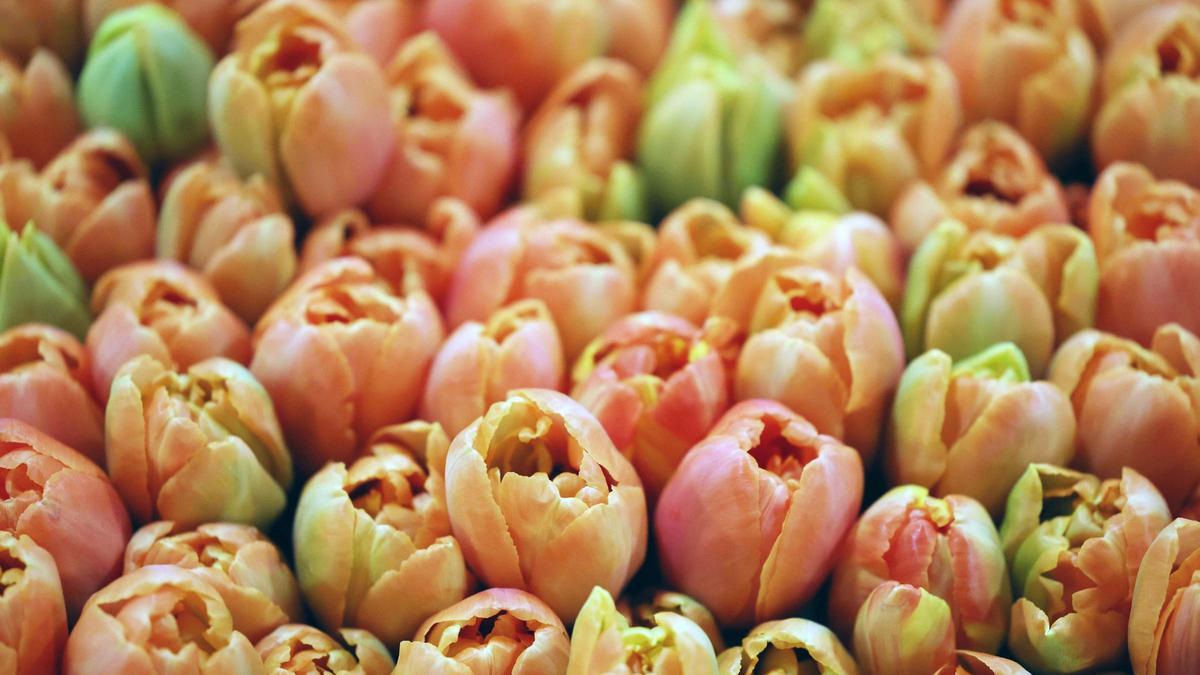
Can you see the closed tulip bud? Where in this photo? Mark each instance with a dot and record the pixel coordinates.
(500, 631)
(978, 663)
(37, 106)
(788, 646)
(38, 283)
(1026, 63)
(211, 20)
(657, 386)
(67, 506)
(1163, 632)
(164, 310)
(158, 618)
(340, 323)
(241, 564)
(971, 427)
(45, 380)
(1150, 94)
(903, 630)
(638, 31)
(35, 619)
(1074, 544)
(871, 129)
(379, 27)
(451, 139)
(196, 446)
(1146, 235)
(969, 290)
(295, 648)
(653, 602)
(771, 29)
(775, 477)
(856, 32)
(26, 25)
(581, 136)
(297, 103)
(1128, 398)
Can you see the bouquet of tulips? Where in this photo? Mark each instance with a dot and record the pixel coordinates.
(599, 337)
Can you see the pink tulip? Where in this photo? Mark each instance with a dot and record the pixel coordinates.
(379, 27)
(904, 630)
(37, 107)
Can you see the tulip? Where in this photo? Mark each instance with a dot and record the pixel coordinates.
(45, 380)
(948, 547)
(379, 27)
(241, 564)
(158, 619)
(297, 103)
(37, 107)
(1103, 19)
(541, 42)
(480, 363)
(235, 233)
(1146, 234)
(639, 240)
(196, 446)
(771, 29)
(856, 32)
(1026, 63)
(362, 351)
(38, 283)
(160, 309)
(26, 25)
(295, 648)
(788, 646)
(712, 126)
(1129, 399)
(788, 496)
(1074, 544)
(903, 630)
(638, 31)
(969, 290)
(653, 603)
(1163, 633)
(871, 129)
(971, 427)
(540, 500)
(1150, 94)
(603, 642)
(211, 20)
(35, 619)
(581, 137)
(500, 631)
(408, 258)
(65, 504)
(978, 663)
(585, 278)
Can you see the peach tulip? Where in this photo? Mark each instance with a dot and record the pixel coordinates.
(46, 381)
(1103, 19)
(26, 25)
(854, 31)
(31, 604)
(784, 489)
(1136, 407)
(994, 180)
(1150, 94)
(977, 663)
(295, 648)
(296, 102)
(971, 427)
(904, 630)
(158, 619)
(772, 29)
(1163, 632)
(650, 602)
(37, 107)
(233, 232)
(480, 363)
(1147, 236)
(242, 565)
(212, 20)
(379, 27)
(1074, 544)
(777, 646)
(639, 240)
(541, 500)
(500, 631)
(164, 310)
(65, 504)
(362, 350)
(638, 30)
(1027, 63)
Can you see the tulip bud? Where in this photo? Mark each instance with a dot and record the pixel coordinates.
(654, 602)
(1150, 95)
(160, 309)
(379, 27)
(451, 139)
(37, 106)
(38, 283)
(235, 233)
(774, 476)
(855, 32)
(296, 648)
(26, 25)
(66, 505)
(638, 31)
(338, 324)
(788, 646)
(948, 547)
(903, 630)
(1166, 596)
(196, 446)
(45, 380)
(31, 604)
(972, 427)
(297, 103)
(1074, 544)
(500, 631)
(158, 617)
(871, 129)
(1128, 398)
(211, 20)
(241, 564)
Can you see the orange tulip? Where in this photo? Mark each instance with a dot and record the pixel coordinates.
(37, 107)
(362, 350)
(978, 663)
(1103, 19)
(1163, 632)
(379, 27)
(296, 648)
(640, 242)
(639, 30)
(650, 602)
(787, 646)
(212, 20)
(34, 617)
(26, 25)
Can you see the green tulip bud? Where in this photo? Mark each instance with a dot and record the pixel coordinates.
(38, 283)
